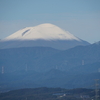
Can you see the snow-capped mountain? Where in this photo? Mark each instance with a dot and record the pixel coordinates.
(43, 31)
(46, 34)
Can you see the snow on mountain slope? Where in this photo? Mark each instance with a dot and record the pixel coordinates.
(44, 31)
(45, 35)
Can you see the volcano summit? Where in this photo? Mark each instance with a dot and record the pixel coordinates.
(46, 35)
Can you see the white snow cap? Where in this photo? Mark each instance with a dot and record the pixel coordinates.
(43, 31)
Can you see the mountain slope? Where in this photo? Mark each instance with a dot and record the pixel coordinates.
(43, 31)
(46, 35)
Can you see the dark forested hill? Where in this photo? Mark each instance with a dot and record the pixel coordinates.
(49, 94)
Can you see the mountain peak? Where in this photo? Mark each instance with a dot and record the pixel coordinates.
(46, 25)
(44, 31)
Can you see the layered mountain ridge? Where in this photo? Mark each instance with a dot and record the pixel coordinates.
(29, 67)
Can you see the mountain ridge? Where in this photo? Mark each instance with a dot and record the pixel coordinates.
(29, 67)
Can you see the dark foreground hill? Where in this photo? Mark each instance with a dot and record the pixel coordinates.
(49, 94)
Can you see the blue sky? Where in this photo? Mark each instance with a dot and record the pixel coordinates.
(79, 17)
